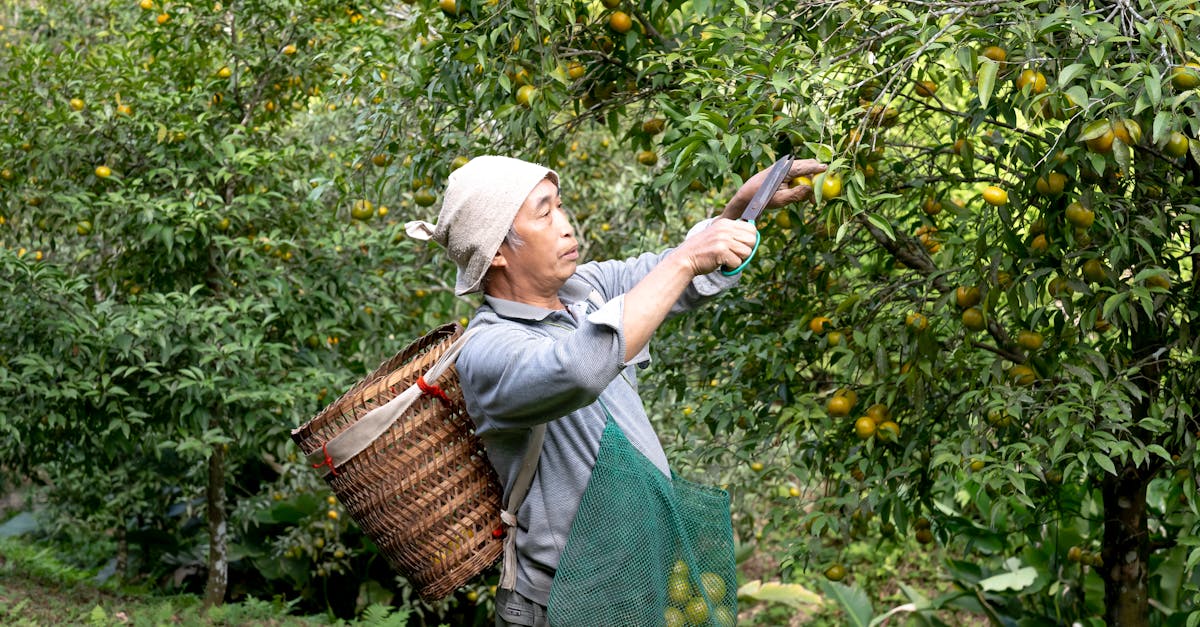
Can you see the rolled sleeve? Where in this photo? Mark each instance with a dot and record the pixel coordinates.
(612, 315)
(708, 285)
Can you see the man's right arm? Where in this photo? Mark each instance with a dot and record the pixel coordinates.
(724, 242)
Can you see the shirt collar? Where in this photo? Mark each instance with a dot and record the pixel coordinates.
(573, 291)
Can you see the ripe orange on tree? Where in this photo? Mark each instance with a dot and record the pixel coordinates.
(163, 18)
(103, 171)
(424, 197)
(1093, 270)
(1029, 340)
(841, 402)
(647, 157)
(1158, 280)
(831, 184)
(916, 321)
(1034, 79)
(77, 104)
(1058, 287)
(1021, 374)
(819, 324)
(1080, 216)
(1103, 140)
(995, 196)
(925, 89)
(972, 319)
(967, 296)
(1177, 144)
(864, 428)
(1186, 76)
(362, 209)
(449, 7)
(620, 22)
(879, 413)
(575, 69)
(1052, 184)
(526, 94)
(995, 53)
(1128, 131)
(653, 126)
(835, 572)
(888, 431)
(931, 206)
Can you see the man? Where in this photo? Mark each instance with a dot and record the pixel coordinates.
(554, 336)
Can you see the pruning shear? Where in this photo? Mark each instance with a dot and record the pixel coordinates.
(774, 179)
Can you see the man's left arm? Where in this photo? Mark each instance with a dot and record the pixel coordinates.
(724, 242)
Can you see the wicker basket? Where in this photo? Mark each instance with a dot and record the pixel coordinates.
(423, 490)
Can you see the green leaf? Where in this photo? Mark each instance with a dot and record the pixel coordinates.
(1153, 89)
(852, 599)
(987, 80)
(1094, 129)
(792, 594)
(882, 224)
(1105, 462)
(1069, 73)
(1017, 580)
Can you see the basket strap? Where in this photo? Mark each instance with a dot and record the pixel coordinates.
(358, 436)
(529, 464)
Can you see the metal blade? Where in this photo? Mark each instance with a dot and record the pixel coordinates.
(778, 172)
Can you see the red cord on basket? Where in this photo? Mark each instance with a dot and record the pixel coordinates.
(432, 390)
(328, 462)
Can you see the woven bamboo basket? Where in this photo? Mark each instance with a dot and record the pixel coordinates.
(423, 491)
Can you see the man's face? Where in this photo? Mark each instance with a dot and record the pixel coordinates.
(548, 254)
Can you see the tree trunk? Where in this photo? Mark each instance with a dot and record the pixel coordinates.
(1126, 550)
(218, 550)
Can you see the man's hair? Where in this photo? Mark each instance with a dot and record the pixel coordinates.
(513, 239)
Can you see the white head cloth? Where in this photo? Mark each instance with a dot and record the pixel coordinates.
(480, 204)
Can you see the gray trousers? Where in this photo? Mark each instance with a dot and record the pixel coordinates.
(514, 609)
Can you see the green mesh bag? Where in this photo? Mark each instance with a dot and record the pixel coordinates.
(645, 550)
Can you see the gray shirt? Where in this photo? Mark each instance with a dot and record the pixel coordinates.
(528, 365)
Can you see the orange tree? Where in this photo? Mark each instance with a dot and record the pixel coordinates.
(196, 256)
(1003, 254)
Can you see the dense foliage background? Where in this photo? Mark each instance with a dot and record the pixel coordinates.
(982, 335)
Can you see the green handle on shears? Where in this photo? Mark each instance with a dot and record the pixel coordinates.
(757, 240)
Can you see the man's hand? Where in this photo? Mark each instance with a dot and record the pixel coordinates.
(723, 243)
(783, 196)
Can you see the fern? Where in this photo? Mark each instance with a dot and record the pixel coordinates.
(379, 615)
